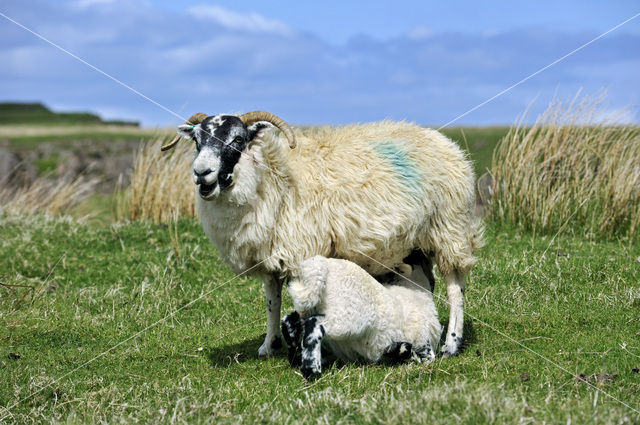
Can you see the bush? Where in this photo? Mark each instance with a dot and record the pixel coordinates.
(572, 169)
(45, 196)
(161, 184)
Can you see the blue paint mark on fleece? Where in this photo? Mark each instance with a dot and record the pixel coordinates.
(393, 152)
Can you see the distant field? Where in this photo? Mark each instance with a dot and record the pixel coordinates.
(30, 136)
(36, 113)
(86, 288)
(479, 142)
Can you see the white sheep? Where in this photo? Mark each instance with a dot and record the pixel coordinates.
(358, 318)
(375, 194)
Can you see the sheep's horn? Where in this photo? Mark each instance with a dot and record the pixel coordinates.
(195, 119)
(251, 117)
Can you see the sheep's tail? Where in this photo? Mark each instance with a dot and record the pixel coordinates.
(307, 290)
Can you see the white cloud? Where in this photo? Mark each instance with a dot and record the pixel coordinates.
(83, 4)
(419, 33)
(251, 22)
(616, 116)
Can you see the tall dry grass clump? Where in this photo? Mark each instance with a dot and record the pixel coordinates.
(161, 184)
(45, 196)
(572, 170)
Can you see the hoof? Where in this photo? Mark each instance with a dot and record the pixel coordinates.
(452, 346)
(310, 373)
(270, 348)
(423, 355)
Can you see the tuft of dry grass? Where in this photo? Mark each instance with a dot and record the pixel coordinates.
(45, 196)
(161, 186)
(571, 168)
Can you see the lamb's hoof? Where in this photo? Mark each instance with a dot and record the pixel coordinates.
(311, 367)
(430, 358)
(268, 349)
(310, 373)
(423, 355)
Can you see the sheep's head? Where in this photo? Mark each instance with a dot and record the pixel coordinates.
(220, 141)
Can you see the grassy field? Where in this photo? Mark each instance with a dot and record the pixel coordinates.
(76, 292)
(139, 322)
(29, 137)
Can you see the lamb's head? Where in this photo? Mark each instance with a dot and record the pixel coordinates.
(220, 141)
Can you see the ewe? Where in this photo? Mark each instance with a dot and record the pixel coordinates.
(357, 317)
(389, 191)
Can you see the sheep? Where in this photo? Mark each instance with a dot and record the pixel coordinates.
(358, 318)
(377, 194)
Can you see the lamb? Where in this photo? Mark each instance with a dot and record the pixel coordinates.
(359, 319)
(377, 194)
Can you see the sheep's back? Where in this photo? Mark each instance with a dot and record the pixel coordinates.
(373, 188)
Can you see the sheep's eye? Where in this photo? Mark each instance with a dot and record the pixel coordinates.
(237, 139)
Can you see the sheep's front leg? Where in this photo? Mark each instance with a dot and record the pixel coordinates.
(273, 295)
(311, 348)
(455, 291)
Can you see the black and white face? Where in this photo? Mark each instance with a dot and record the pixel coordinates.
(220, 141)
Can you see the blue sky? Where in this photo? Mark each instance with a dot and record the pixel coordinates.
(312, 63)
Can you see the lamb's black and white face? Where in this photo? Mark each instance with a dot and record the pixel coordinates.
(220, 141)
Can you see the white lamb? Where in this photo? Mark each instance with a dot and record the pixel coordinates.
(358, 318)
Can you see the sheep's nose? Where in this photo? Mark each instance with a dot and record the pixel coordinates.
(203, 176)
(202, 173)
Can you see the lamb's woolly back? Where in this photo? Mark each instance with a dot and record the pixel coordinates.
(420, 321)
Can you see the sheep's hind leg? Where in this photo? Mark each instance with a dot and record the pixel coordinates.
(292, 334)
(311, 348)
(455, 291)
(273, 294)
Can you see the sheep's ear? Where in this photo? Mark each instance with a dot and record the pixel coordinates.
(188, 131)
(257, 129)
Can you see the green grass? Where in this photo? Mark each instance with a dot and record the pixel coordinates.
(47, 165)
(479, 142)
(99, 209)
(573, 301)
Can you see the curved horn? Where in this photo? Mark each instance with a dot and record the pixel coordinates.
(195, 119)
(251, 117)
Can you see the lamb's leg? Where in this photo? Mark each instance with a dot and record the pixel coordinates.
(273, 294)
(398, 352)
(455, 291)
(292, 334)
(311, 348)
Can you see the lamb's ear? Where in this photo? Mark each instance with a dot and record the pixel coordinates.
(257, 129)
(187, 131)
